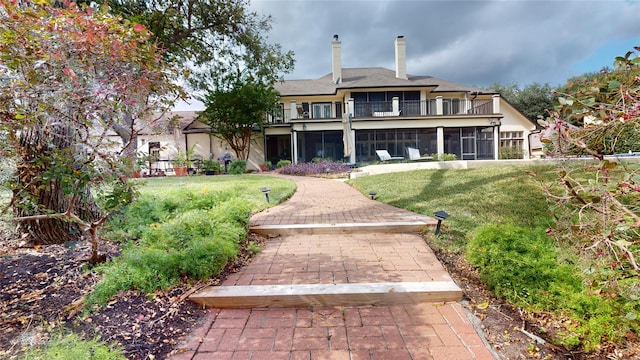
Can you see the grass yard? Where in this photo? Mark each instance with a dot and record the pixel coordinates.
(472, 197)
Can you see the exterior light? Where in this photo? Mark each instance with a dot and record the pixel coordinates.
(440, 215)
(373, 194)
(265, 191)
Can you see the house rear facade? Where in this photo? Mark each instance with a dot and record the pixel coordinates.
(350, 113)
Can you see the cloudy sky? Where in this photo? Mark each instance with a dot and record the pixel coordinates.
(475, 43)
(470, 42)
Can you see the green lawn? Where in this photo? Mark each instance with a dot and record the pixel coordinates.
(472, 197)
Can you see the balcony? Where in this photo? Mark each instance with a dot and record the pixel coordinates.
(422, 108)
(385, 109)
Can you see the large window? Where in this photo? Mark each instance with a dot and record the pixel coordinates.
(322, 110)
(320, 144)
(511, 145)
(395, 141)
(367, 102)
(469, 143)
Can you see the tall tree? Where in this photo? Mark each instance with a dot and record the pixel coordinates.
(68, 75)
(237, 111)
(533, 100)
(207, 38)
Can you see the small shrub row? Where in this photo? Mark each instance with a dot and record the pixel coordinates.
(315, 168)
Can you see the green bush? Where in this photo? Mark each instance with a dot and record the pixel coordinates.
(511, 152)
(521, 265)
(283, 163)
(195, 241)
(444, 157)
(237, 167)
(71, 347)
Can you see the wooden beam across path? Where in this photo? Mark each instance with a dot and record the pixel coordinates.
(342, 228)
(308, 295)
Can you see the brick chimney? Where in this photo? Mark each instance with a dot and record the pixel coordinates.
(336, 60)
(401, 57)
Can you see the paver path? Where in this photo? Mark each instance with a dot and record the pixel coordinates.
(408, 331)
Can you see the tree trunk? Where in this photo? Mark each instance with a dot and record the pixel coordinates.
(34, 147)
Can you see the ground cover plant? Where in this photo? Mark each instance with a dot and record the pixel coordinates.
(188, 230)
(193, 224)
(320, 167)
(499, 221)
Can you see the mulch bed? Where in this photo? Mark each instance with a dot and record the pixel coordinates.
(42, 290)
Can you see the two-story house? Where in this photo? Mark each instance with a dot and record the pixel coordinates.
(350, 113)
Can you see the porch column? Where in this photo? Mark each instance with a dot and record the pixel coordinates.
(395, 105)
(496, 142)
(496, 104)
(352, 157)
(439, 106)
(294, 147)
(440, 140)
(294, 110)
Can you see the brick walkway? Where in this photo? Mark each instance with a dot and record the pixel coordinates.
(409, 331)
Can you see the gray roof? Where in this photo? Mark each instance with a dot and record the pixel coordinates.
(367, 78)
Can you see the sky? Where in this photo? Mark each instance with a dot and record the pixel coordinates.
(474, 43)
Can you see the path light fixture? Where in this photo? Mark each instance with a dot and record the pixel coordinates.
(373, 194)
(440, 215)
(265, 191)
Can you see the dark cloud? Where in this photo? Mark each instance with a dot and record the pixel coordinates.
(470, 42)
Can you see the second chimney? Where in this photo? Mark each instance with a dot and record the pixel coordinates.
(336, 60)
(401, 57)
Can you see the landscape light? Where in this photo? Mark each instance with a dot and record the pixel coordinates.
(266, 190)
(440, 215)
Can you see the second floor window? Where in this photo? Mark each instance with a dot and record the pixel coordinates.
(321, 111)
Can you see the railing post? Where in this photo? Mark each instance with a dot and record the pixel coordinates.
(496, 104)
(294, 109)
(350, 107)
(395, 105)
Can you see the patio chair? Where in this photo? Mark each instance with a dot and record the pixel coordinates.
(414, 155)
(384, 156)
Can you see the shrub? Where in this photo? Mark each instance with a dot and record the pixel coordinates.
(444, 157)
(520, 265)
(283, 163)
(238, 167)
(511, 152)
(305, 169)
(196, 241)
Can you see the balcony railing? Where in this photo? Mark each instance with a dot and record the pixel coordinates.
(406, 108)
(411, 108)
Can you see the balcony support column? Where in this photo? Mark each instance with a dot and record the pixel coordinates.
(440, 140)
(439, 107)
(395, 105)
(294, 146)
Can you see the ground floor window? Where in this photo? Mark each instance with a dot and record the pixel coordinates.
(469, 143)
(278, 147)
(395, 141)
(511, 144)
(320, 145)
